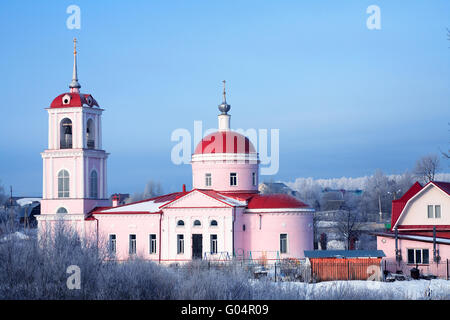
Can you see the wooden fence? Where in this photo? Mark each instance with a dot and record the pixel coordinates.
(328, 269)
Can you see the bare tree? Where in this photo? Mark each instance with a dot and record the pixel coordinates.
(446, 154)
(348, 225)
(426, 167)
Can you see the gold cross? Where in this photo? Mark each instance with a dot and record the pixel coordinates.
(224, 93)
(74, 45)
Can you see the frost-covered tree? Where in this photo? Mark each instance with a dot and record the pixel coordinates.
(152, 189)
(427, 167)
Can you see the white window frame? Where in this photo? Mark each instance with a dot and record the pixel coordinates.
(63, 193)
(213, 244)
(208, 179)
(235, 178)
(111, 242)
(152, 244)
(415, 256)
(286, 240)
(430, 206)
(132, 244)
(180, 243)
(93, 195)
(435, 211)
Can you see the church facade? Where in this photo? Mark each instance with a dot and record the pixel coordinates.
(223, 216)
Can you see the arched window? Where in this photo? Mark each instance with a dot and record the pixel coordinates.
(213, 223)
(65, 134)
(62, 210)
(63, 184)
(180, 223)
(93, 185)
(197, 223)
(90, 134)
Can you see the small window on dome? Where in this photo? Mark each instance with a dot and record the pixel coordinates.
(213, 223)
(66, 99)
(180, 223)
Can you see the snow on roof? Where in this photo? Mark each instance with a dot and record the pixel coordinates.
(414, 237)
(26, 201)
(235, 202)
(344, 253)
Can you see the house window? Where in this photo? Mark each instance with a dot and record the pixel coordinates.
(197, 223)
(233, 179)
(437, 211)
(208, 179)
(180, 243)
(418, 256)
(152, 244)
(93, 192)
(283, 243)
(63, 184)
(213, 243)
(132, 244)
(254, 178)
(430, 211)
(112, 243)
(180, 223)
(214, 223)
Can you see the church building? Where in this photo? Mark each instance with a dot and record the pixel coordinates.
(222, 217)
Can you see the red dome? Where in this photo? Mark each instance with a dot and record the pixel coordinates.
(275, 201)
(225, 142)
(73, 99)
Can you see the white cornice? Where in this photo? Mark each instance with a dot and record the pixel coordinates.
(281, 210)
(231, 157)
(61, 153)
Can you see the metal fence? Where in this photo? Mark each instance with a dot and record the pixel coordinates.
(440, 270)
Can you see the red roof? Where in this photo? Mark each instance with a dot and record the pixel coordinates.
(399, 204)
(444, 186)
(225, 142)
(275, 201)
(76, 100)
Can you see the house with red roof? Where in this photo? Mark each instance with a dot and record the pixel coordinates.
(420, 230)
(223, 216)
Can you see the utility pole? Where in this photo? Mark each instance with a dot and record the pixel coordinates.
(379, 206)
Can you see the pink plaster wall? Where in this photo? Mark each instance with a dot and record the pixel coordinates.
(388, 248)
(221, 175)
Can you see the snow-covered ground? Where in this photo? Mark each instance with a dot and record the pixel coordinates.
(358, 289)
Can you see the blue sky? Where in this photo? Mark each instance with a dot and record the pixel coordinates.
(347, 100)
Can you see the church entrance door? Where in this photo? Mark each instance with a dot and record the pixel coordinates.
(197, 246)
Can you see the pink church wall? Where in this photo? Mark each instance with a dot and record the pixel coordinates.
(122, 225)
(387, 244)
(221, 175)
(264, 236)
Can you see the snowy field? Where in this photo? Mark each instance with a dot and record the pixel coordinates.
(399, 290)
